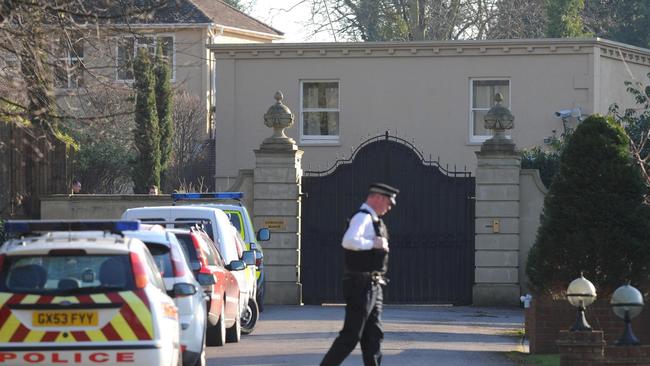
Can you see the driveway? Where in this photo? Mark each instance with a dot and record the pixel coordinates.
(414, 335)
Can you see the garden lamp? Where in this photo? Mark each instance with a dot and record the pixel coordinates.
(627, 303)
(581, 293)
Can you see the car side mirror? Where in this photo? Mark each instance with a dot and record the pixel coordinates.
(236, 266)
(195, 266)
(184, 289)
(205, 279)
(264, 234)
(249, 257)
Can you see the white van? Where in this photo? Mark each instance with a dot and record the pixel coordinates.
(218, 226)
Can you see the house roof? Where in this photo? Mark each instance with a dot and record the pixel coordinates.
(224, 14)
(204, 12)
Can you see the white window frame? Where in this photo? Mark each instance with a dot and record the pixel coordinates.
(320, 139)
(67, 62)
(137, 46)
(479, 139)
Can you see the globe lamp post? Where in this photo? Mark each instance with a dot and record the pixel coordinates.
(581, 293)
(627, 303)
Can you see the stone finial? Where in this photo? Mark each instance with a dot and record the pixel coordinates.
(499, 119)
(278, 117)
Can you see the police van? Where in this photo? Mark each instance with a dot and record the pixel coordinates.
(83, 298)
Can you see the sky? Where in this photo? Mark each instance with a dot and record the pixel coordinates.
(290, 17)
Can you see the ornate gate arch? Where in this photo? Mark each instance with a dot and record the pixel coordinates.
(431, 228)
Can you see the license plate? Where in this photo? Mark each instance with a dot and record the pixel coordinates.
(65, 318)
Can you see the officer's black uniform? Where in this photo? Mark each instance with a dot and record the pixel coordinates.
(362, 287)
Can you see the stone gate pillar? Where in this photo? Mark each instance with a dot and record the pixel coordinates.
(497, 214)
(276, 203)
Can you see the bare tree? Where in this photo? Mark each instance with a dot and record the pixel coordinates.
(189, 150)
(396, 20)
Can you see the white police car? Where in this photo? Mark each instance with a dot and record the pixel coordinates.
(88, 299)
(188, 295)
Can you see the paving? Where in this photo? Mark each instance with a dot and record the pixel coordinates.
(414, 335)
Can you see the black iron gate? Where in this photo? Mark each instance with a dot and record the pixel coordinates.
(431, 228)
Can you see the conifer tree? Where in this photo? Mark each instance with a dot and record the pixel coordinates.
(564, 18)
(146, 166)
(164, 108)
(594, 219)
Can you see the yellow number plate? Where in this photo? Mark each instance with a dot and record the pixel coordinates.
(65, 318)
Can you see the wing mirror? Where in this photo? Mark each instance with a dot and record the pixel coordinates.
(236, 266)
(184, 289)
(264, 234)
(205, 279)
(249, 257)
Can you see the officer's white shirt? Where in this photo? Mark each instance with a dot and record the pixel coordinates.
(361, 233)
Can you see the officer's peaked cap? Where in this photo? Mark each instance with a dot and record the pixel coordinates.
(386, 190)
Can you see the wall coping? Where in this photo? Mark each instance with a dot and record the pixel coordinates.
(99, 197)
(611, 49)
(534, 173)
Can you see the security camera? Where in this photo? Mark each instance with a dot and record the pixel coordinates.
(564, 113)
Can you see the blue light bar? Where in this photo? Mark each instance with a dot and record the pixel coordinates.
(210, 195)
(31, 226)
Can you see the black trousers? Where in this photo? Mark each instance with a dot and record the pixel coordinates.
(364, 302)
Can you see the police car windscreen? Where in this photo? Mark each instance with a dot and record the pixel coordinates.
(66, 274)
(162, 257)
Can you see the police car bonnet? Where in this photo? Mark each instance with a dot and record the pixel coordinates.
(386, 190)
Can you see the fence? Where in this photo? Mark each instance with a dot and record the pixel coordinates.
(30, 168)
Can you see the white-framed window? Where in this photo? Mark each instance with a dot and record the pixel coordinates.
(127, 50)
(319, 111)
(482, 92)
(68, 70)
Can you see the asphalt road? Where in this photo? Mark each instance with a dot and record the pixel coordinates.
(414, 335)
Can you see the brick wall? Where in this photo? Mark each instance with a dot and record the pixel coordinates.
(627, 356)
(545, 318)
(581, 348)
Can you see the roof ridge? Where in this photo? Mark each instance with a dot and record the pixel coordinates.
(249, 16)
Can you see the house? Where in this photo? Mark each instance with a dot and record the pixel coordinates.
(106, 49)
(434, 94)
(181, 29)
(409, 114)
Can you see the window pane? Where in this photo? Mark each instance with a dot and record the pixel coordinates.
(60, 75)
(320, 123)
(485, 90)
(148, 43)
(479, 124)
(320, 95)
(76, 74)
(125, 59)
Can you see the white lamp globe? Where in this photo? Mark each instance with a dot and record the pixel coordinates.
(627, 298)
(581, 292)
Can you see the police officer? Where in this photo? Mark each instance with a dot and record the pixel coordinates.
(365, 245)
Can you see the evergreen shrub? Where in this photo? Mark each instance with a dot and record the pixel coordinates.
(594, 219)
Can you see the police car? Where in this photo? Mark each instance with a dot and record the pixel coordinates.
(83, 298)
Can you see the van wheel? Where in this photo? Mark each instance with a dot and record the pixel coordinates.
(233, 334)
(250, 316)
(216, 335)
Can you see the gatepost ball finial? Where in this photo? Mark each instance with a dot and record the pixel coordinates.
(278, 117)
